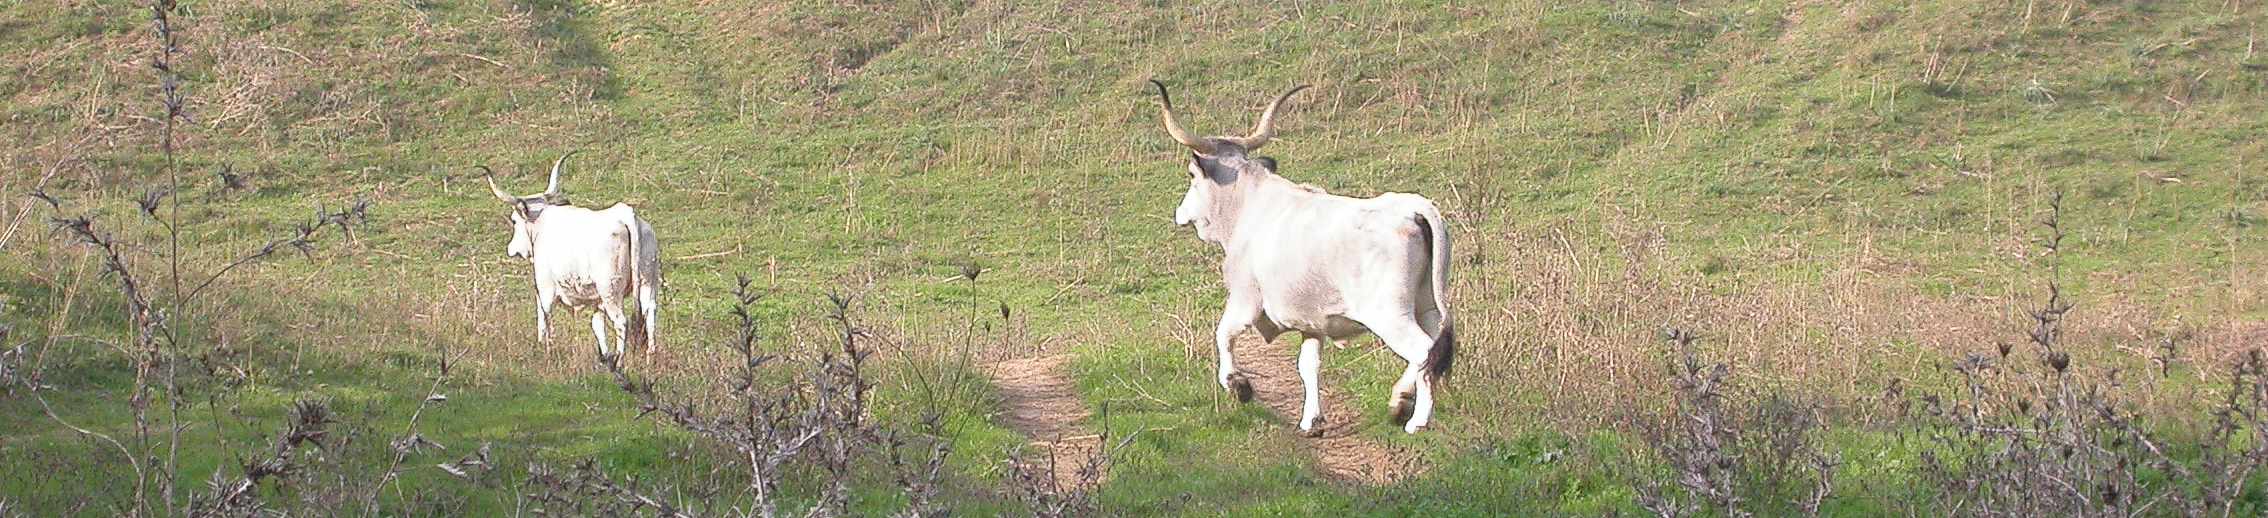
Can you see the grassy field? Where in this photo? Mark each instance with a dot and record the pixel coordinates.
(1835, 194)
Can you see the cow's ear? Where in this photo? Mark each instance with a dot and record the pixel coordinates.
(526, 212)
(1268, 162)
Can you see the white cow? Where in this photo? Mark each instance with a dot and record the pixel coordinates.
(605, 260)
(1330, 267)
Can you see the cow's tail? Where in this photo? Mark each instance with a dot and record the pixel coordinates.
(637, 326)
(646, 273)
(1436, 234)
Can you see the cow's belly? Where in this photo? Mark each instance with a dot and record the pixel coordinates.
(1326, 321)
(579, 294)
(1306, 302)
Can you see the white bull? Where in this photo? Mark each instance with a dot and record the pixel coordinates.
(1330, 267)
(602, 260)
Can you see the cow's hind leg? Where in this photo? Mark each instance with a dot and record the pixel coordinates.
(1413, 395)
(1310, 370)
(621, 318)
(1234, 320)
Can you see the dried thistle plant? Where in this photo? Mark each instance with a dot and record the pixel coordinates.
(1731, 458)
(2064, 440)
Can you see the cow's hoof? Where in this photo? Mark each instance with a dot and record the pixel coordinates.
(1241, 386)
(1404, 405)
(1313, 429)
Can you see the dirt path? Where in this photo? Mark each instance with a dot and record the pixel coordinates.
(1043, 405)
(1340, 450)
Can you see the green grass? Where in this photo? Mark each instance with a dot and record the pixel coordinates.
(572, 420)
(1727, 151)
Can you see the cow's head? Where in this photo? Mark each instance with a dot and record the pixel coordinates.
(527, 209)
(1220, 169)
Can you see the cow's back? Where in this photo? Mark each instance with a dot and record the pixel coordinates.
(1317, 258)
(585, 255)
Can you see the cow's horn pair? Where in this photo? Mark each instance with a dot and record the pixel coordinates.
(548, 192)
(1252, 142)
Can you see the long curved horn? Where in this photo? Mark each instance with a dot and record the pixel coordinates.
(1267, 127)
(553, 190)
(1173, 125)
(490, 175)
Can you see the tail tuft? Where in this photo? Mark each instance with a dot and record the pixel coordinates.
(634, 330)
(1443, 356)
(1444, 353)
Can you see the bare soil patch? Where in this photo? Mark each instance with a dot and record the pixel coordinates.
(1043, 404)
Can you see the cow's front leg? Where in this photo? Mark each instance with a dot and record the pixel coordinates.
(543, 318)
(598, 329)
(1234, 320)
(1310, 373)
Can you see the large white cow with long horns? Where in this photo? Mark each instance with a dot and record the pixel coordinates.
(1330, 267)
(601, 260)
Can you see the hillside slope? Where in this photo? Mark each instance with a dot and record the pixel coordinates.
(1843, 192)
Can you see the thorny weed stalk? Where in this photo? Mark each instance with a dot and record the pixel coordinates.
(238, 496)
(161, 344)
(817, 419)
(1697, 450)
(11, 361)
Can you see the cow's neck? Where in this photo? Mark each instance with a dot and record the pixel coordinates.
(551, 214)
(1256, 195)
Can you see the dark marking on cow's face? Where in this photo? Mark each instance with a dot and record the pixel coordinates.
(527, 211)
(1228, 170)
(525, 214)
(1210, 169)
